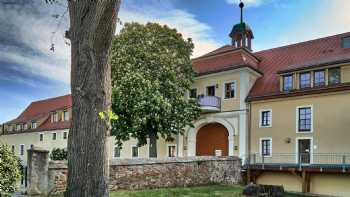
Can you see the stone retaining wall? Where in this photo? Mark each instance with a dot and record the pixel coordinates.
(152, 173)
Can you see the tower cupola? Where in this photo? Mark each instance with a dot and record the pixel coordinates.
(241, 33)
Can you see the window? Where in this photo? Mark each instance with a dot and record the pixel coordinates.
(319, 78)
(33, 125)
(13, 148)
(229, 90)
(21, 148)
(211, 91)
(54, 117)
(135, 151)
(25, 126)
(287, 82)
(116, 153)
(41, 137)
(346, 42)
(65, 115)
(304, 119)
(171, 150)
(65, 135)
(305, 80)
(54, 136)
(193, 93)
(265, 146)
(18, 127)
(333, 76)
(265, 118)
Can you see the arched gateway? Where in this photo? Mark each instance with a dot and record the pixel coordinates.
(212, 139)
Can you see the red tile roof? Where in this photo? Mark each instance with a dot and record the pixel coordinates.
(296, 56)
(224, 58)
(273, 61)
(41, 110)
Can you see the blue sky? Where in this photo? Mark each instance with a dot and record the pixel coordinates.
(30, 71)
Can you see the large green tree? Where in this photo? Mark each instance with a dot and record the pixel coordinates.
(151, 74)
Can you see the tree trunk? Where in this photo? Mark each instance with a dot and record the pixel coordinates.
(153, 145)
(92, 27)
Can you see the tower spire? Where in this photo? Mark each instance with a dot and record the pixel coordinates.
(241, 5)
(241, 33)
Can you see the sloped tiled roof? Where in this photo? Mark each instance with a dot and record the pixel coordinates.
(271, 62)
(41, 110)
(298, 55)
(224, 58)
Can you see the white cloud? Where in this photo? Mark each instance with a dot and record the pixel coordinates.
(31, 32)
(185, 22)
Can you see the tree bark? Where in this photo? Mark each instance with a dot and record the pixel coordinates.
(92, 27)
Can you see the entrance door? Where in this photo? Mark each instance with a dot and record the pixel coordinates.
(212, 140)
(304, 150)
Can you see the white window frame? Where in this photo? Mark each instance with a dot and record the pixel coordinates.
(65, 133)
(20, 149)
(224, 89)
(53, 117)
(260, 119)
(39, 137)
(167, 150)
(64, 117)
(33, 123)
(54, 133)
(311, 148)
(260, 146)
(120, 153)
(25, 126)
(138, 151)
(18, 127)
(297, 119)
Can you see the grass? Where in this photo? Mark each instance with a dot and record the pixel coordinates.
(203, 191)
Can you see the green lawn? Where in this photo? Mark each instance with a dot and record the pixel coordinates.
(204, 191)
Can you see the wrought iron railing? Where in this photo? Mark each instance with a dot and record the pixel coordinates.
(302, 159)
(209, 101)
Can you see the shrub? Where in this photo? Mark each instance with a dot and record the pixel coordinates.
(9, 171)
(58, 154)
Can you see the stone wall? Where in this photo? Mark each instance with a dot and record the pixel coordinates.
(149, 173)
(152, 173)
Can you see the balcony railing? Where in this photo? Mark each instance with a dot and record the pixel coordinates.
(317, 160)
(209, 103)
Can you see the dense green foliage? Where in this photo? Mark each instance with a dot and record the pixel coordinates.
(9, 171)
(58, 154)
(151, 74)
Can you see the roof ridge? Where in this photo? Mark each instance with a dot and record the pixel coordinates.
(303, 42)
(51, 98)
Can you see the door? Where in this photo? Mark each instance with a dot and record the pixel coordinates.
(212, 140)
(304, 151)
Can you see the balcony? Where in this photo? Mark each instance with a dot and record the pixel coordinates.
(303, 160)
(209, 103)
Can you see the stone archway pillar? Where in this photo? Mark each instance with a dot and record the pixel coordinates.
(230, 145)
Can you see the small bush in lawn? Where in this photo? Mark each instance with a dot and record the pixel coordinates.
(58, 154)
(9, 171)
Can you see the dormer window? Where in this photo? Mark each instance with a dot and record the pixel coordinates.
(333, 76)
(33, 125)
(319, 78)
(54, 117)
(25, 126)
(65, 115)
(346, 42)
(305, 80)
(287, 82)
(18, 127)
